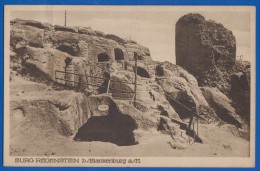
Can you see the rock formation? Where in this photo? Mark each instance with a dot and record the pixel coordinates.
(206, 49)
(43, 58)
(240, 88)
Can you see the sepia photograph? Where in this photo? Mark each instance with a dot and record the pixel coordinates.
(129, 86)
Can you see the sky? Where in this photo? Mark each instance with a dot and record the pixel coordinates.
(150, 26)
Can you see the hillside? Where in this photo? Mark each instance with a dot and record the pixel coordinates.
(62, 78)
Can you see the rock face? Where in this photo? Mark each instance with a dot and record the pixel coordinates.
(206, 49)
(240, 88)
(222, 106)
(42, 64)
(38, 108)
(179, 85)
(98, 49)
(167, 95)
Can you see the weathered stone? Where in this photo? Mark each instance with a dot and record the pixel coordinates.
(240, 89)
(70, 48)
(222, 106)
(206, 49)
(36, 24)
(179, 85)
(43, 63)
(27, 35)
(86, 30)
(99, 33)
(65, 28)
(115, 38)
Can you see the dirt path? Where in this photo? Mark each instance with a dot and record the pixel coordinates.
(215, 143)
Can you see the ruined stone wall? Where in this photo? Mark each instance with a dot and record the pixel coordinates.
(206, 49)
(201, 44)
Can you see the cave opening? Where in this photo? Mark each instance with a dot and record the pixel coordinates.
(142, 72)
(103, 57)
(119, 54)
(71, 49)
(115, 128)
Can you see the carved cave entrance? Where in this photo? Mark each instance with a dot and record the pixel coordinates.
(119, 54)
(142, 72)
(115, 128)
(103, 57)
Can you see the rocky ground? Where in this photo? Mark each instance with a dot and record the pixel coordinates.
(29, 137)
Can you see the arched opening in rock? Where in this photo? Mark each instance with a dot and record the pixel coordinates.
(116, 128)
(71, 49)
(119, 54)
(103, 57)
(142, 72)
(159, 71)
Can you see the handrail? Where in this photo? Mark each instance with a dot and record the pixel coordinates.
(57, 78)
(65, 72)
(79, 82)
(193, 113)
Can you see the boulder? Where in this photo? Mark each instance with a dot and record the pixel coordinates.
(181, 86)
(115, 38)
(47, 112)
(86, 30)
(23, 35)
(222, 106)
(36, 24)
(42, 64)
(99, 33)
(65, 28)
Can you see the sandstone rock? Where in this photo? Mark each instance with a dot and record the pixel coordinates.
(183, 87)
(77, 41)
(240, 89)
(26, 35)
(201, 44)
(99, 33)
(116, 38)
(70, 48)
(206, 49)
(119, 86)
(222, 106)
(36, 24)
(142, 51)
(41, 65)
(65, 28)
(45, 61)
(86, 30)
(48, 111)
(32, 23)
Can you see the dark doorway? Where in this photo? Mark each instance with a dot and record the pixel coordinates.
(103, 57)
(119, 54)
(116, 128)
(142, 72)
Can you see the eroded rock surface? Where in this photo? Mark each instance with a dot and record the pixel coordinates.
(167, 94)
(206, 49)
